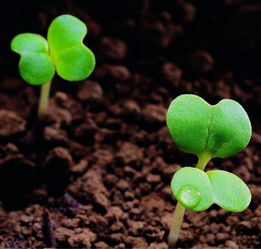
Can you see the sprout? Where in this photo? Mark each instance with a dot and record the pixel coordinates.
(208, 131)
(63, 52)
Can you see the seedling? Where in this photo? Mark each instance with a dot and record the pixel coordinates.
(208, 131)
(63, 52)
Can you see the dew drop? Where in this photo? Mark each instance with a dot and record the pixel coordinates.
(189, 196)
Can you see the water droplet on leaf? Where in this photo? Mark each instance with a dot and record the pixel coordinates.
(189, 196)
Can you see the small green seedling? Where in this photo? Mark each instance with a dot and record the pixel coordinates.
(208, 131)
(63, 52)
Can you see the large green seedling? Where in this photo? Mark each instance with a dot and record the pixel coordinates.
(63, 52)
(207, 131)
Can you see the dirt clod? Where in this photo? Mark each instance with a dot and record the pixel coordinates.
(10, 123)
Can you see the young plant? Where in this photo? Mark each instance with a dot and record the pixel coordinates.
(63, 52)
(207, 131)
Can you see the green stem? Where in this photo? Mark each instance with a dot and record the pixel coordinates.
(44, 98)
(203, 160)
(176, 225)
(179, 212)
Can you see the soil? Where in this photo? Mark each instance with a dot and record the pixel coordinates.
(96, 172)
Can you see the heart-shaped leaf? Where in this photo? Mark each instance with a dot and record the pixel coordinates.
(73, 60)
(229, 191)
(35, 65)
(198, 190)
(197, 127)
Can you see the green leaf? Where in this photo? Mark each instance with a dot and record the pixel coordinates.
(28, 42)
(198, 190)
(229, 191)
(188, 121)
(35, 65)
(75, 63)
(192, 188)
(197, 127)
(65, 31)
(229, 130)
(73, 60)
(36, 68)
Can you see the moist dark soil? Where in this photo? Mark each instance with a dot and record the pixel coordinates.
(95, 173)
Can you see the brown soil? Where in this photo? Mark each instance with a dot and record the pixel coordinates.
(96, 172)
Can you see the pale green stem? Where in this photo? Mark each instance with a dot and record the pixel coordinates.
(44, 98)
(179, 212)
(203, 160)
(176, 225)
